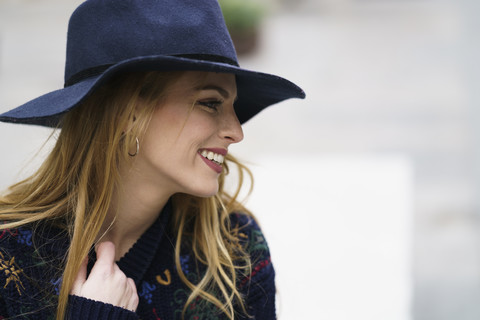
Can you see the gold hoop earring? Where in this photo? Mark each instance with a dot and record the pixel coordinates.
(136, 151)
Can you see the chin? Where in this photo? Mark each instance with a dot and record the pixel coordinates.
(208, 194)
(205, 191)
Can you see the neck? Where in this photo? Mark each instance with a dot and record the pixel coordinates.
(136, 204)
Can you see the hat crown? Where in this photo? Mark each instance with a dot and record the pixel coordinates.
(105, 32)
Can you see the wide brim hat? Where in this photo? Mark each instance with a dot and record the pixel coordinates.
(109, 37)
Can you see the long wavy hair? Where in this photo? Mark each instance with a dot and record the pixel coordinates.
(74, 187)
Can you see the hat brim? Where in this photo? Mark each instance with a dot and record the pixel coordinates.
(256, 90)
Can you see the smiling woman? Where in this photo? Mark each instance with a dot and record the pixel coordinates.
(191, 121)
(127, 217)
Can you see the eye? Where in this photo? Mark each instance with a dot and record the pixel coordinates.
(212, 105)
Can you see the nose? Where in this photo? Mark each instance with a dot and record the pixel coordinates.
(231, 128)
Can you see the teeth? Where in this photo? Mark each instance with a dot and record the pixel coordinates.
(218, 158)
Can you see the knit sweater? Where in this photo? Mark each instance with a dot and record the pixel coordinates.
(30, 265)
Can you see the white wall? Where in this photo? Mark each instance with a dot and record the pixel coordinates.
(339, 228)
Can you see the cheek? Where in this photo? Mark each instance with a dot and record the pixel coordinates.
(200, 124)
(165, 124)
(168, 118)
(173, 130)
(157, 141)
(197, 132)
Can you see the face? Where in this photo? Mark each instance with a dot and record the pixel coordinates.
(189, 134)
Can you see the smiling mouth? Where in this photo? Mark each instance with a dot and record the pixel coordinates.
(212, 156)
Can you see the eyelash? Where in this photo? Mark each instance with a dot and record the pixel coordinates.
(211, 104)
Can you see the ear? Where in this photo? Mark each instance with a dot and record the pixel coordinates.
(140, 103)
(130, 122)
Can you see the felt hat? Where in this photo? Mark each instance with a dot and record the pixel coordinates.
(107, 37)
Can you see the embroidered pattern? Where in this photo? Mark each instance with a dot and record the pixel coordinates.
(12, 272)
(25, 237)
(167, 275)
(197, 310)
(13, 232)
(56, 285)
(184, 263)
(257, 242)
(146, 292)
(154, 313)
(256, 270)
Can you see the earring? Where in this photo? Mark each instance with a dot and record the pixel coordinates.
(136, 151)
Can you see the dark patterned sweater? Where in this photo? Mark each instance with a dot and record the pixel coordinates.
(30, 268)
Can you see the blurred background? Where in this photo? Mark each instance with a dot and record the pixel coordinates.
(367, 190)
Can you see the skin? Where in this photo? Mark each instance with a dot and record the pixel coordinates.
(168, 162)
(106, 282)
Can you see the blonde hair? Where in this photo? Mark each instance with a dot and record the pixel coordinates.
(74, 188)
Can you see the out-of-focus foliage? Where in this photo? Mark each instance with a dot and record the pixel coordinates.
(242, 14)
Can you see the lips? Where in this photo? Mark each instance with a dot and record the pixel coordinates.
(214, 158)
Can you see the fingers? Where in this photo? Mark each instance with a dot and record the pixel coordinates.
(134, 300)
(81, 277)
(106, 282)
(105, 253)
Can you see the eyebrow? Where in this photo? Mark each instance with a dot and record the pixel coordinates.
(224, 93)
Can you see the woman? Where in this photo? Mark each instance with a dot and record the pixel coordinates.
(127, 217)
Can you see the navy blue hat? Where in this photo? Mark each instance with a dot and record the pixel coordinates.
(106, 37)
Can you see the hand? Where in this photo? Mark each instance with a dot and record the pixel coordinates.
(106, 282)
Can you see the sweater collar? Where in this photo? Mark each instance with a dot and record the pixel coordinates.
(137, 260)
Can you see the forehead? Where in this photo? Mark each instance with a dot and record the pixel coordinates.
(196, 80)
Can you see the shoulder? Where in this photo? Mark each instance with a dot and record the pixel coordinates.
(16, 261)
(14, 248)
(253, 242)
(258, 284)
(249, 234)
(24, 240)
(28, 259)
(16, 243)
